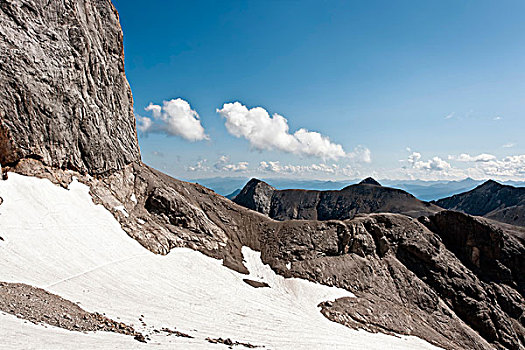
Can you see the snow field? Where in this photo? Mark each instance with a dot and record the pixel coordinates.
(57, 239)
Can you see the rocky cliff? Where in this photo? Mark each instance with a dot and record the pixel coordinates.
(65, 109)
(491, 199)
(366, 197)
(64, 98)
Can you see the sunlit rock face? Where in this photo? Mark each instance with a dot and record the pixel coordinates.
(64, 97)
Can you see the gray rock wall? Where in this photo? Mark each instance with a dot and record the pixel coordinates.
(64, 97)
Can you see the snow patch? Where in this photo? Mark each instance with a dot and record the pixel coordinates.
(133, 198)
(60, 240)
(122, 210)
(305, 292)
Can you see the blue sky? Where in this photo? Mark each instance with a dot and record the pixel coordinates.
(404, 89)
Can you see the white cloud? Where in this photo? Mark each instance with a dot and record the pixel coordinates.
(240, 166)
(224, 164)
(174, 117)
(276, 167)
(450, 116)
(509, 145)
(413, 157)
(144, 124)
(361, 153)
(510, 166)
(497, 117)
(265, 132)
(200, 166)
(479, 166)
(464, 157)
(433, 164)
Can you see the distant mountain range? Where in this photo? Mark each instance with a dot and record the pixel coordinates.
(423, 190)
(492, 200)
(368, 196)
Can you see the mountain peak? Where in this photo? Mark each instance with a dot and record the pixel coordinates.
(370, 181)
(255, 182)
(490, 184)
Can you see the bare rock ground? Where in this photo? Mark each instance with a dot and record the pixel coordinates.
(39, 306)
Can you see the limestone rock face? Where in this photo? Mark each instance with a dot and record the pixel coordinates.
(256, 195)
(64, 98)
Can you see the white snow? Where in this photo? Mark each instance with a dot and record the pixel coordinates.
(122, 210)
(133, 198)
(59, 240)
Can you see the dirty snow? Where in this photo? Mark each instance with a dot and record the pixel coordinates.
(122, 210)
(59, 240)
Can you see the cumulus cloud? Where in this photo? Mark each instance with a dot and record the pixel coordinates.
(276, 167)
(433, 164)
(509, 166)
(362, 154)
(240, 166)
(413, 157)
(464, 157)
(144, 124)
(319, 169)
(224, 164)
(265, 132)
(200, 166)
(174, 117)
(479, 166)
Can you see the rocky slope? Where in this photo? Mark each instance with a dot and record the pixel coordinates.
(451, 279)
(492, 200)
(366, 197)
(39, 306)
(394, 264)
(418, 277)
(64, 98)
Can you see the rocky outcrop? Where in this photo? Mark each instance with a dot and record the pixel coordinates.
(39, 306)
(495, 253)
(366, 197)
(492, 200)
(407, 278)
(256, 195)
(64, 98)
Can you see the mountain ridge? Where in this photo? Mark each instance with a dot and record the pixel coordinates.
(368, 196)
(491, 199)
